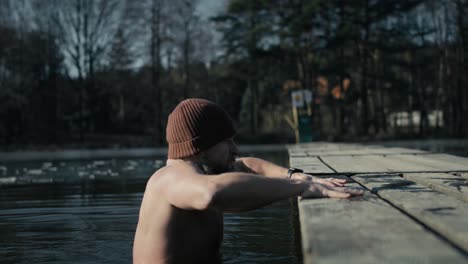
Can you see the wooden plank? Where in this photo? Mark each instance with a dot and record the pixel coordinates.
(452, 185)
(442, 213)
(314, 145)
(334, 149)
(432, 161)
(393, 163)
(463, 174)
(344, 164)
(398, 150)
(448, 158)
(310, 164)
(369, 164)
(296, 153)
(317, 149)
(320, 147)
(389, 163)
(364, 150)
(367, 230)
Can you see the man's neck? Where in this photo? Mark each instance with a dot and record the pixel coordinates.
(192, 161)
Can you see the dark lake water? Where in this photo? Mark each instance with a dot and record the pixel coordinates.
(87, 211)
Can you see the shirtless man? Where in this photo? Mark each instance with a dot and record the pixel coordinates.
(181, 215)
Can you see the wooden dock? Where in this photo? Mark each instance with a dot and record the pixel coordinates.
(415, 209)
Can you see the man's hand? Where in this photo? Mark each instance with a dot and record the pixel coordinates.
(331, 182)
(317, 190)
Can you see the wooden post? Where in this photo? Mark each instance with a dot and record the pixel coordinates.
(296, 123)
(309, 109)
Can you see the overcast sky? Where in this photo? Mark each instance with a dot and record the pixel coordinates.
(209, 8)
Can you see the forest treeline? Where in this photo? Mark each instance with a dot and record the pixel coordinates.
(109, 70)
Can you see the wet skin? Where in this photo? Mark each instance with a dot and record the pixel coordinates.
(167, 234)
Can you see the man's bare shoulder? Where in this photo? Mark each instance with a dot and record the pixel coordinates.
(173, 171)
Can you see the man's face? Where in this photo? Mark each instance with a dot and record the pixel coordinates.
(220, 158)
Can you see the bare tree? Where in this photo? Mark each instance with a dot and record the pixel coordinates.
(86, 29)
(42, 22)
(187, 24)
(156, 42)
(461, 128)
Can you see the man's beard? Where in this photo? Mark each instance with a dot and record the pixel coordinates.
(209, 167)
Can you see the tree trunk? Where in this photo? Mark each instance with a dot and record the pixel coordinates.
(341, 79)
(186, 52)
(422, 103)
(411, 101)
(363, 53)
(252, 78)
(155, 46)
(462, 95)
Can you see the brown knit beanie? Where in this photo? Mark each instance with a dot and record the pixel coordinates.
(196, 125)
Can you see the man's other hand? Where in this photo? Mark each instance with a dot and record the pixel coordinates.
(331, 182)
(317, 190)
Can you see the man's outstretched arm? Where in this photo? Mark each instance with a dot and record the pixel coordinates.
(269, 169)
(242, 191)
(236, 191)
(260, 166)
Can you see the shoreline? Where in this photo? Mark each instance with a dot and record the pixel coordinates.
(106, 153)
(434, 145)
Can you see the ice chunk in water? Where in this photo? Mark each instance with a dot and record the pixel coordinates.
(3, 170)
(35, 172)
(99, 163)
(46, 165)
(8, 180)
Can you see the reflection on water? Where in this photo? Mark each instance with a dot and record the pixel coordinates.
(74, 172)
(87, 211)
(267, 235)
(76, 228)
